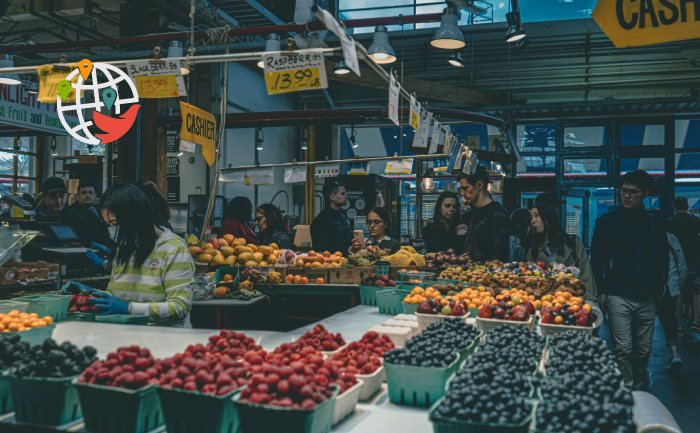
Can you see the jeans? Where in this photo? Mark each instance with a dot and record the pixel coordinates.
(632, 330)
(666, 308)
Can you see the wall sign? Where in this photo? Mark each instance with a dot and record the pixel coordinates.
(173, 166)
(173, 142)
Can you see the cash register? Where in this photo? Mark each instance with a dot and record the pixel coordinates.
(59, 243)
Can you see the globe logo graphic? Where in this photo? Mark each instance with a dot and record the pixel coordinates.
(92, 98)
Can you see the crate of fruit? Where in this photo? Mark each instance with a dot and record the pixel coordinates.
(195, 412)
(371, 383)
(109, 409)
(453, 425)
(52, 305)
(46, 401)
(427, 319)
(7, 305)
(346, 402)
(259, 418)
(413, 385)
(390, 301)
(585, 319)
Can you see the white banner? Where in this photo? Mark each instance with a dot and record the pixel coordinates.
(187, 146)
(295, 174)
(394, 96)
(438, 138)
(261, 176)
(420, 139)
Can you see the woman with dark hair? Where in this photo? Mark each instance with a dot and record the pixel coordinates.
(441, 234)
(271, 227)
(549, 243)
(517, 234)
(161, 208)
(152, 272)
(237, 216)
(378, 223)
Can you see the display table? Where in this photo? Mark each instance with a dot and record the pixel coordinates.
(309, 289)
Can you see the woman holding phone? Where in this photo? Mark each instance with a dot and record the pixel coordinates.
(378, 223)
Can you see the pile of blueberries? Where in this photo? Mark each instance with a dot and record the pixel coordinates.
(574, 351)
(12, 349)
(437, 346)
(603, 386)
(515, 347)
(581, 414)
(48, 359)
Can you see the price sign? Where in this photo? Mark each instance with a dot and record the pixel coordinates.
(303, 70)
(49, 77)
(157, 87)
(414, 119)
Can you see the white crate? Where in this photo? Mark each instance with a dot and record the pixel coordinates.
(371, 383)
(398, 334)
(346, 403)
(404, 324)
(406, 317)
(487, 325)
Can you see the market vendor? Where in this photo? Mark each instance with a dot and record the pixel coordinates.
(378, 222)
(331, 230)
(152, 272)
(53, 208)
(549, 243)
(271, 227)
(441, 233)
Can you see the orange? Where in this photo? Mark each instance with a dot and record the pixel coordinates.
(14, 327)
(289, 279)
(13, 313)
(37, 324)
(320, 281)
(559, 320)
(587, 307)
(304, 280)
(297, 279)
(47, 319)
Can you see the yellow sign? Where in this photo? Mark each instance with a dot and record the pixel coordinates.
(159, 86)
(199, 127)
(631, 23)
(293, 81)
(49, 77)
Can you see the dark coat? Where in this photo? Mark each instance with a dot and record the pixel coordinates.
(331, 231)
(487, 233)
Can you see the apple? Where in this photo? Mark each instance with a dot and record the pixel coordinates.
(485, 312)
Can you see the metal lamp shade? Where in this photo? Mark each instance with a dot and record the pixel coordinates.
(381, 50)
(448, 36)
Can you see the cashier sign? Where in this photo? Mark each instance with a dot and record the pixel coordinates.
(295, 71)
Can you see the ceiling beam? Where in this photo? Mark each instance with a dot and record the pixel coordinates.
(265, 12)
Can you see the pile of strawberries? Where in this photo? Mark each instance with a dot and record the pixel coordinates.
(320, 339)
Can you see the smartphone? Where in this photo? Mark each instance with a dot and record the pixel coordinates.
(359, 235)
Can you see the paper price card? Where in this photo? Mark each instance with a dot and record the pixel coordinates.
(394, 95)
(164, 86)
(414, 119)
(296, 72)
(49, 77)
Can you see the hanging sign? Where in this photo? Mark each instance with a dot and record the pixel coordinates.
(157, 78)
(438, 138)
(420, 139)
(238, 176)
(260, 176)
(173, 167)
(399, 166)
(327, 170)
(632, 23)
(49, 77)
(358, 168)
(199, 127)
(348, 43)
(414, 118)
(295, 72)
(394, 95)
(295, 175)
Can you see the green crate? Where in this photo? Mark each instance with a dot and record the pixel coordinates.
(52, 305)
(417, 386)
(368, 294)
(81, 317)
(391, 301)
(6, 405)
(7, 305)
(110, 409)
(122, 319)
(46, 401)
(409, 308)
(255, 418)
(193, 412)
(451, 425)
(34, 336)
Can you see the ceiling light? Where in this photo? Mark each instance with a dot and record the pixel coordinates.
(341, 68)
(448, 36)
(304, 145)
(456, 60)
(515, 30)
(272, 43)
(381, 50)
(7, 61)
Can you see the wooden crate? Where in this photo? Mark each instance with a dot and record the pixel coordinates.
(348, 275)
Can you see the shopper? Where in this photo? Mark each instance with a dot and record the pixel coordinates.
(518, 229)
(379, 223)
(152, 272)
(486, 221)
(331, 230)
(160, 204)
(549, 198)
(666, 306)
(441, 233)
(271, 227)
(630, 262)
(549, 243)
(87, 208)
(237, 216)
(686, 227)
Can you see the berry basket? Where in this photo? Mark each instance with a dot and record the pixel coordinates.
(34, 336)
(417, 386)
(465, 353)
(371, 383)
(547, 329)
(486, 325)
(46, 401)
(409, 308)
(109, 409)
(81, 317)
(7, 305)
(5, 397)
(390, 301)
(427, 319)
(368, 295)
(194, 412)
(257, 418)
(346, 402)
(52, 305)
(451, 425)
(123, 319)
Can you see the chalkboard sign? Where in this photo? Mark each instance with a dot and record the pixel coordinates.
(173, 141)
(173, 190)
(173, 166)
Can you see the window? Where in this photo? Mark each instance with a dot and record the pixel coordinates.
(585, 136)
(642, 135)
(687, 167)
(18, 159)
(654, 166)
(586, 168)
(537, 138)
(87, 149)
(533, 166)
(688, 134)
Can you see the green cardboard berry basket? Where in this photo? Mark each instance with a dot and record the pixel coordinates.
(47, 304)
(368, 294)
(409, 308)
(122, 319)
(45, 401)
(194, 412)
(465, 353)
(452, 425)
(7, 305)
(109, 409)
(390, 301)
(34, 336)
(81, 317)
(256, 418)
(6, 405)
(417, 386)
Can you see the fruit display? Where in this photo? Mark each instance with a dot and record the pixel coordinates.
(508, 308)
(406, 256)
(227, 342)
(48, 359)
(455, 335)
(367, 257)
(300, 279)
(14, 321)
(363, 356)
(131, 367)
(571, 315)
(419, 294)
(212, 373)
(516, 349)
(603, 386)
(315, 260)
(379, 281)
(274, 277)
(321, 339)
(232, 251)
(444, 259)
(287, 257)
(80, 303)
(581, 414)
(443, 307)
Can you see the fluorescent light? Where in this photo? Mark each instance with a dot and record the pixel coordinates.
(10, 81)
(381, 50)
(272, 43)
(448, 36)
(181, 153)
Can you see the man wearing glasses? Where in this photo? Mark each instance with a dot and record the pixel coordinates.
(629, 255)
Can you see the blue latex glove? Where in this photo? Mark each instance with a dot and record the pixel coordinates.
(76, 287)
(96, 260)
(101, 248)
(108, 304)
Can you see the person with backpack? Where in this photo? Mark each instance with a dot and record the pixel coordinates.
(549, 243)
(630, 259)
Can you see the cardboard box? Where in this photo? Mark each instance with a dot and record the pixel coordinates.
(302, 236)
(28, 272)
(348, 275)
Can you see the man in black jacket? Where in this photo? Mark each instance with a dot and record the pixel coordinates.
(686, 227)
(486, 221)
(629, 255)
(331, 230)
